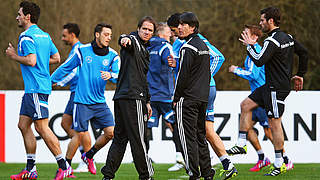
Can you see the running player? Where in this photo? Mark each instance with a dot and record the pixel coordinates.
(98, 64)
(277, 56)
(35, 52)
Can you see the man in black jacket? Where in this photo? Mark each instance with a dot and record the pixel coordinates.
(277, 56)
(191, 98)
(132, 102)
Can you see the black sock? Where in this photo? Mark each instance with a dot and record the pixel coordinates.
(286, 159)
(225, 163)
(91, 152)
(261, 156)
(30, 164)
(69, 161)
(62, 164)
(81, 151)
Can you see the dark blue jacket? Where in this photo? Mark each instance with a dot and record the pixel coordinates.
(160, 76)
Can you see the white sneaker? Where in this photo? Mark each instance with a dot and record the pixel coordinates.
(176, 167)
(82, 167)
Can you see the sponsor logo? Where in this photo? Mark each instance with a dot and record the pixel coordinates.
(269, 113)
(35, 115)
(105, 62)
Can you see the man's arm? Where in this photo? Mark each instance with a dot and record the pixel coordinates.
(29, 60)
(55, 58)
(265, 54)
(303, 65)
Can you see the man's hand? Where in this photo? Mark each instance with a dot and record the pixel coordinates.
(298, 82)
(246, 39)
(149, 110)
(124, 41)
(171, 61)
(232, 68)
(11, 52)
(105, 75)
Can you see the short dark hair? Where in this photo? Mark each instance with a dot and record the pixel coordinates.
(272, 12)
(149, 19)
(254, 29)
(72, 28)
(173, 20)
(191, 19)
(99, 28)
(31, 8)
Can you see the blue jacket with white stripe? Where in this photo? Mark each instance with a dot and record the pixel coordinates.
(255, 75)
(160, 76)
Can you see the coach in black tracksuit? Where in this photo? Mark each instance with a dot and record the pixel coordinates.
(191, 98)
(277, 56)
(132, 102)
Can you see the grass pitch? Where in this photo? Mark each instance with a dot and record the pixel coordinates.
(128, 172)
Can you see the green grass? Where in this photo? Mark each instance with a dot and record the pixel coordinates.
(128, 172)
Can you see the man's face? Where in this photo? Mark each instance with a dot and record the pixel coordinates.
(145, 32)
(104, 37)
(265, 26)
(21, 18)
(166, 33)
(185, 30)
(67, 37)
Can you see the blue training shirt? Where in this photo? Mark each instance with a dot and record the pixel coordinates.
(216, 57)
(255, 75)
(70, 79)
(35, 41)
(160, 75)
(90, 88)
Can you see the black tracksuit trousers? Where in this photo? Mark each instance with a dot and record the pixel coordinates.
(191, 116)
(131, 124)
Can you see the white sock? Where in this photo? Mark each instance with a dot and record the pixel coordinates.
(278, 161)
(260, 151)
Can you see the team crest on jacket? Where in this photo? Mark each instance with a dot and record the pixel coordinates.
(89, 59)
(145, 118)
(105, 62)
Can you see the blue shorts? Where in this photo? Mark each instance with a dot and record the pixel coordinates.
(210, 108)
(35, 106)
(99, 114)
(259, 115)
(70, 105)
(163, 109)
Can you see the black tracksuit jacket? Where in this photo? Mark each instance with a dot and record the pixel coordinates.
(132, 80)
(277, 56)
(193, 79)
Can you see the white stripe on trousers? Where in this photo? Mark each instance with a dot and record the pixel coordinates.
(274, 104)
(141, 132)
(182, 135)
(75, 124)
(37, 104)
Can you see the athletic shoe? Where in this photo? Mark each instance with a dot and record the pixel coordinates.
(82, 167)
(90, 164)
(276, 171)
(25, 174)
(228, 174)
(212, 173)
(69, 172)
(237, 150)
(260, 164)
(176, 167)
(289, 165)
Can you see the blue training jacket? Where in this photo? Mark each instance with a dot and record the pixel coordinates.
(35, 41)
(160, 76)
(70, 79)
(216, 57)
(90, 88)
(255, 75)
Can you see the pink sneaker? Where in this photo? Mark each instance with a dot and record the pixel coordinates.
(89, 163)
(24, 174)
(260, 164)
(289, 165)
(60, 174)
(70, 172)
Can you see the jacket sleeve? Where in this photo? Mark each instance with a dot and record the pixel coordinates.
(303, 58)
(251, 71)
(216, 60)
(66, 69)
(268, 49)
(127, 36)
(114, 69)
(184, 72)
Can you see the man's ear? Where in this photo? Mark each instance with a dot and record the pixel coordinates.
(28, 17)
(97, 34)
(271, 21)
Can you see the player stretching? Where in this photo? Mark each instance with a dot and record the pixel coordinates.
(35, 52)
